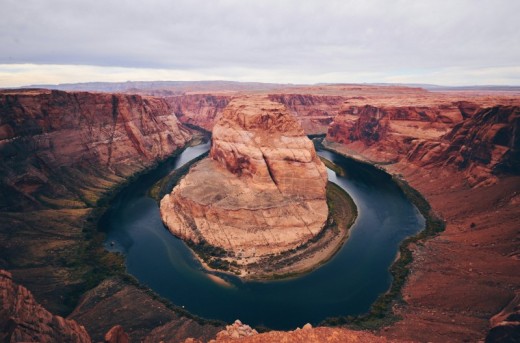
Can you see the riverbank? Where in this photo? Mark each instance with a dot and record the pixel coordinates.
(447, 290)
(381, 310)
(110, 282)
(319, 250)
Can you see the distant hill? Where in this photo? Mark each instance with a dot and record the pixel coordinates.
(165, 87)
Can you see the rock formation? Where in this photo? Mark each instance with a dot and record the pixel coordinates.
(467, 171)
(116, 335)
(45, 134)
(236, 330)
(314, 112)
(306, 334)
(143, 317)
(61, 153)
(22, 319)
(505, 326)
(485, 145)
(385, 132)
(198, 109)
(261, 192)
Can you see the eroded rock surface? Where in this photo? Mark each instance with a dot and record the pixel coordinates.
(22, 319)
(481, 145)
(468, 172)
(61, 153)
(308, 335)
(57, 144)
(261, 192)
(116, 308)
(201, 110)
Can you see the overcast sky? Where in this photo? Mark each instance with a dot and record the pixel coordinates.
(452, 42)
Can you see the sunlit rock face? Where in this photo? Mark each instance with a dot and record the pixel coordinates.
(261, 191)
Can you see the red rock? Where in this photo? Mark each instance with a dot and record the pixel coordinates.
(315, 112)
(310, 335)
(22, 319)
(262, 191)
(48, 133)
(198, 109)
(483, 146)
(116, 335)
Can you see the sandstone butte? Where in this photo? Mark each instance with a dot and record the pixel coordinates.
(260, 192)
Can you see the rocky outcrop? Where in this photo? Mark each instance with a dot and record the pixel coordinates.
(308, 335)
(505, 326)
(198, 109)
(368, 124)
(22, 319)
(261, 192)
(484, 144)
(236, 330)
(385, 134)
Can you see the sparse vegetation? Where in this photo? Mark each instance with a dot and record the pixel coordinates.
(333, 166)
(381, 313)
(166, 184)
(342, 214)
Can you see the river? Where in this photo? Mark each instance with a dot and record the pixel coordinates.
(347, 285)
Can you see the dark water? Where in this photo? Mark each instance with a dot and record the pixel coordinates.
(347, 285)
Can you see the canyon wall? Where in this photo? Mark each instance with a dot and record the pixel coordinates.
(198, 109)
(468, 171)
(262, 191)
(480, 143)
(62, 151)
(484, 146)
(74, 145)
(61, 154)
(314, 112)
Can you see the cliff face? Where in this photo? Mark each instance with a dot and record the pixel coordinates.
(58, 144)
(142, 317)
(482, 145)
(486, 144)
(262, 191)
(198, 109)
(22, 319)
(262, 141)
(368, 124)
(314, 112)
(385, 134)
(60, 153)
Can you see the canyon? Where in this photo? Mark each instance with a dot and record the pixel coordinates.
(64, 153)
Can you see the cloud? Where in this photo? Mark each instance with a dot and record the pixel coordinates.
(291, 39)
